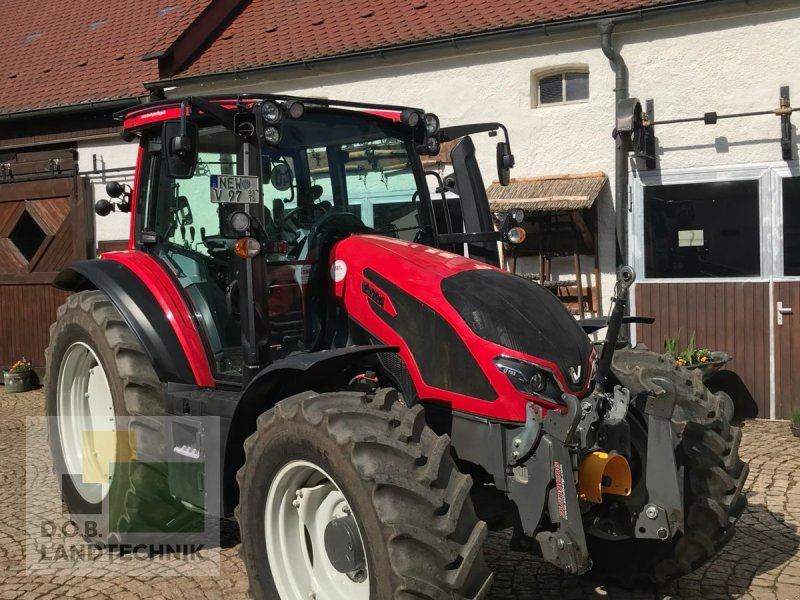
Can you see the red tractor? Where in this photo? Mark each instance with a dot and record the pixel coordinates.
(385, 394)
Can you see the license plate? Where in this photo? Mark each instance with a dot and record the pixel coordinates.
(234, 189)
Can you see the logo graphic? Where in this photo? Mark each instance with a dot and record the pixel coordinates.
(338, 271)
(132, 494)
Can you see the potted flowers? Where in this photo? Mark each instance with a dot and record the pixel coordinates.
(18, 377)
(705, 360)
(794, 421)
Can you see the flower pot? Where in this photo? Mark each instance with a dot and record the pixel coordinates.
(795, 430)
(17, 382)
(718, 360)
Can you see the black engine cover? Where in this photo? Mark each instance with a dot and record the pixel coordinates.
(523, 316)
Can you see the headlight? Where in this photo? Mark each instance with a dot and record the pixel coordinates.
(410, 117)
(529, 378)
(431, 123)
(239, 221)
(272, 135)
(271, 111)
(295, 109)
(432, 146)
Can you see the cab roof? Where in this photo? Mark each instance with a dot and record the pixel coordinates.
(164, 110)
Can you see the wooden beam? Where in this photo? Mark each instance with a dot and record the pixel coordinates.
(197, 36)
(583, 229)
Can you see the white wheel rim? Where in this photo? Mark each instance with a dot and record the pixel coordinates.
(304, 498)
(85, 405)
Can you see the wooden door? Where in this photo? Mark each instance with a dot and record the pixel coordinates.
(787, 347)
(45, 224)
(733, 317)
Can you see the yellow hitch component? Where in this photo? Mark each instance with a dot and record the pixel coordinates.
(603, 473)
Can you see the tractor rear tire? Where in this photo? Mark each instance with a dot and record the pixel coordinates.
(708, 451)
(419, 531)
(94, 355)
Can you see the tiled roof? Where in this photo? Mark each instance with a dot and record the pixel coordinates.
(269, 32)
(62, 53)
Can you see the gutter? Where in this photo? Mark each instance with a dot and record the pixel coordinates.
(522, 33)
(75, 109)
(606, 28)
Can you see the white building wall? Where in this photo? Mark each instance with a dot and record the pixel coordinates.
(102, 155)
(726, 59)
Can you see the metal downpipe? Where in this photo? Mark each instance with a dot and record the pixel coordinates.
(606, 28)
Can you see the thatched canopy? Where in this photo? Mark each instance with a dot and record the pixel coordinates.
(547, 194)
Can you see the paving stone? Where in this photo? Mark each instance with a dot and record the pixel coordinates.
(762, 562)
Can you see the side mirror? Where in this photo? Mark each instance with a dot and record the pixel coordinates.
(179, 143)
(505, 161)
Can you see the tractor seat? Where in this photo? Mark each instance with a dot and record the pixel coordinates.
(332, 227)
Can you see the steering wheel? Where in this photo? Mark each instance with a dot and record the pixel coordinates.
(296, 223)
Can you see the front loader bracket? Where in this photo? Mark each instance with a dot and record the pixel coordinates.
(662, 517)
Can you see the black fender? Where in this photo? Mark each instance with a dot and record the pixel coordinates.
(281, 379)
(138, 307)
(313, 367)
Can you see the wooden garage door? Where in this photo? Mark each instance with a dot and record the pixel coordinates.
(45, 224)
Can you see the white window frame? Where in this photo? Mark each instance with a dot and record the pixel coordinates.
(538, 74)
(770, 178)
(761, 173)
(777, 175)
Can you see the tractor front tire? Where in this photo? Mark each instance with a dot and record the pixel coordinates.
(368, 459)
(98, 378)
(713, 475)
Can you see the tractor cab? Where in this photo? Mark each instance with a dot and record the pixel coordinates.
(243, 199)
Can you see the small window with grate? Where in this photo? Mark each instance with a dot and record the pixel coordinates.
(559, 87)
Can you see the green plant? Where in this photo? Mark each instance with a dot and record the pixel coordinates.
(671, 344)
(794, 416)
(691, 355)
(21, 366)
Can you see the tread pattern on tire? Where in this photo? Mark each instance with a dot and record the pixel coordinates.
(143, 396)
(708, 451)
(433, 536)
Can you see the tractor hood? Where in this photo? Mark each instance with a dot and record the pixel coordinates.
(490, 312)
(520, 315)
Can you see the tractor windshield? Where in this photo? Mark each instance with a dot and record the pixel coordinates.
(332, 162)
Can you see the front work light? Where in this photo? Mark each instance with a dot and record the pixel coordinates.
(432, 146)
(517, 215)
(272, 135)
(431, 123)
(239, 221)
(295, 109)
(410, 117)
(271, 111)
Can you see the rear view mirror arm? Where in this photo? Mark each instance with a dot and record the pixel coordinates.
(448, 134)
